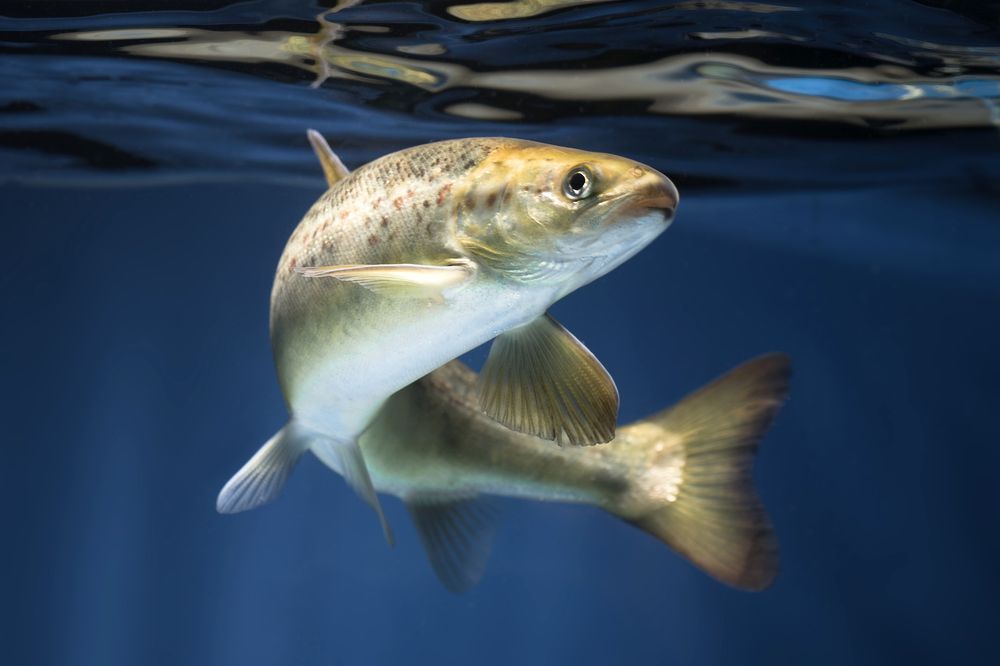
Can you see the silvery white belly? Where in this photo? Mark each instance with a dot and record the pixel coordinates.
(342, 391)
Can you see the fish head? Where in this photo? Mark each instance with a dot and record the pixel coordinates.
(538, 212)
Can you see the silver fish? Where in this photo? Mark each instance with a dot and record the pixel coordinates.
(424, 254)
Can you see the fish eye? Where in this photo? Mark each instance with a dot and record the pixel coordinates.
(578, 183)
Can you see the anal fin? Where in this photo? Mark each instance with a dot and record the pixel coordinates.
(346, 458)
(542, 381)
(457, 533)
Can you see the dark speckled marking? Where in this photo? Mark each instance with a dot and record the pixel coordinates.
(430, 171)
(385, 221)
(491, 199)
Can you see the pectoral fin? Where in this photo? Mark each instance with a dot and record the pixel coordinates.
(333, 168)
(457, 534)
(541, 380)
(401, 279)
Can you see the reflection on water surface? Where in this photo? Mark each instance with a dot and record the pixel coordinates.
(512, 67)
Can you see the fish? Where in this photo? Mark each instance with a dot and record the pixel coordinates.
(424, 254)
(683, 474)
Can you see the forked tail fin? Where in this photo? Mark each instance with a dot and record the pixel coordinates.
(692, 485)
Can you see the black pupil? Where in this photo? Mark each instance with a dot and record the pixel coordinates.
(577, 182)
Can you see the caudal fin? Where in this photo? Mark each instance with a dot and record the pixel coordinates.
(261, 479)
(692, 487)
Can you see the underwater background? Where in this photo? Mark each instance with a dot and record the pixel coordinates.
(839, 168)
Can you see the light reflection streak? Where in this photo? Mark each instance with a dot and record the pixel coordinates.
(689, 84)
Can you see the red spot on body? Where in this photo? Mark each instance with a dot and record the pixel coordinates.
(343, 215)
(292, 263)
(442, 193)
(398, 202)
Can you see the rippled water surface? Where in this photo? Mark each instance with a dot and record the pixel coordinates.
(707, 89)
(839, 170)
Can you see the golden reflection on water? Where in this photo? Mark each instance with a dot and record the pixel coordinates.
(500, 11)
(690, 84)
(516, 9)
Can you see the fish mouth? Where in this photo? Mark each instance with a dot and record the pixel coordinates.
(652, 192)
(660, 194)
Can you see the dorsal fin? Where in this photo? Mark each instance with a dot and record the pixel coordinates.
(333, 168)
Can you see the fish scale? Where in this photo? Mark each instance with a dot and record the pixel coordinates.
(399, 218)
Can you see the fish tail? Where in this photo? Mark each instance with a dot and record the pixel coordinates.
(692, 486)
(261, 479)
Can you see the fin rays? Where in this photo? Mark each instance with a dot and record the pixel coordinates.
(540, 380)
(457, 534)
(347, 459)
(261, 479)
(715, 519)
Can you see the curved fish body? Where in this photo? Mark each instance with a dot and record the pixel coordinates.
(683, 474)
(424, 254)
(341, 350)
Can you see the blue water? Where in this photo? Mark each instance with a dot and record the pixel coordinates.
(839, 165)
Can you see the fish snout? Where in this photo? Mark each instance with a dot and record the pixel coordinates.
(655, 191)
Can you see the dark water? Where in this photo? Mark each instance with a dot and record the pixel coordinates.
(839, 164)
